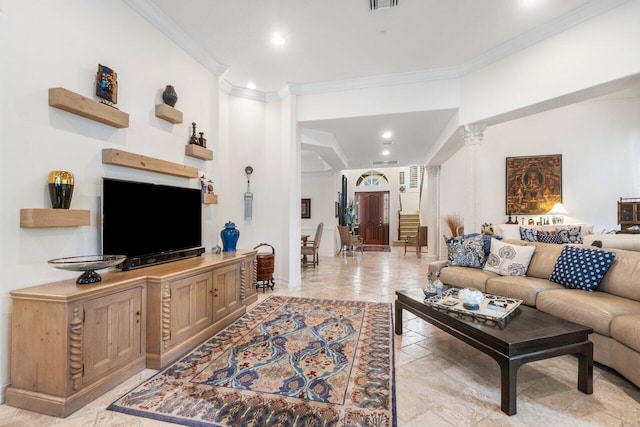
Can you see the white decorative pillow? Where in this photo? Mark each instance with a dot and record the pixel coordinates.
(509, 231)
(509, 260)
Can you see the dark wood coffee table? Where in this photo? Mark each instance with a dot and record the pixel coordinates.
(528, 336)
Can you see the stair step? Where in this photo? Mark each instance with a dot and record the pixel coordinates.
(409, 223)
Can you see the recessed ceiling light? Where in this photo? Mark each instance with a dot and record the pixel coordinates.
(278, 39)
(386, 135)
(386, 152)
(530, 3)
(251, 85)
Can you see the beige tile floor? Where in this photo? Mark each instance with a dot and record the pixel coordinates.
(440, 381)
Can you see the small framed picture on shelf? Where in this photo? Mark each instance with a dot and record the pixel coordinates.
(107, 84)
(306, 208)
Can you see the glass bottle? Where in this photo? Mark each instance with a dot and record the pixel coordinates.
(438, 285)
(430, 290)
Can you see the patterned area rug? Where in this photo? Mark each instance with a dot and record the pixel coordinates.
(376, 248)
(287, 362)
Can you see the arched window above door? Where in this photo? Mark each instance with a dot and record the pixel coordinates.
(372, 178)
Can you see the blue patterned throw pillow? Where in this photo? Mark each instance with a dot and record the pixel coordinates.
(549, 238)
(465, 252)
(571, 235)
(578, 268)
(486, 239)
(528, 234)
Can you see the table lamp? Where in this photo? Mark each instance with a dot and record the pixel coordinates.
(557, 211)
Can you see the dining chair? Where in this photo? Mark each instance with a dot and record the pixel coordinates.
(416, 241)
(348, 241)
(312, 247)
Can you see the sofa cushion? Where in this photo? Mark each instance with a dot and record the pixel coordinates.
(623, 277)
(543, 260)
(571, 235)
(626, 329)
(466, 252)
(629, 242)
(466, 277)
(594, 309)
(524, 288)
(580, 268)
(509, 260)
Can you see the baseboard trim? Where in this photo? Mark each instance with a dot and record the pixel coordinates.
(3, 392)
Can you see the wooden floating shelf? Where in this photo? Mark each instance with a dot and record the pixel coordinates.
(168, 113)
(193, 150)
(77, 104)
(40, 218)
(112, 156)
(209, 199)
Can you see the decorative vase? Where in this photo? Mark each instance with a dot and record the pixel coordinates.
(169, 96)
(60, 189)
(229, 236)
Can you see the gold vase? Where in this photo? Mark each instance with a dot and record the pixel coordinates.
(60, 189)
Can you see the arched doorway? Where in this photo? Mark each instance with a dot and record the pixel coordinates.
(373, 208)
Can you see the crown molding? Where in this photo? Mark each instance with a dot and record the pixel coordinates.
(169, 28)
(376, 81)
(543, 32)
(242, 92)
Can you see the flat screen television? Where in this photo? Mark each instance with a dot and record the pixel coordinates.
(150, 223)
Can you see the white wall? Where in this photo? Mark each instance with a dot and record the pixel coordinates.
(420, 96)
(253, 135)
(599, 50)
(244, 147)
(452, 189)
(600, 146)
(43, 48)
(321, 188)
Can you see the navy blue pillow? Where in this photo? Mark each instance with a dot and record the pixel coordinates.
(578, 268)
(571, 235)
(549, 238)
(528, 234)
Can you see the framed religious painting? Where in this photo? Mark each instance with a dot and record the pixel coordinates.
(534, 184)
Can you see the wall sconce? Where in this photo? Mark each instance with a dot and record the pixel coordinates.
(557, 211)
(248, 196)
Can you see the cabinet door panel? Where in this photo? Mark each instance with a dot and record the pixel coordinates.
(232, 290)
(191, 306)
(226, 287)
(203, 304)
(112, 331)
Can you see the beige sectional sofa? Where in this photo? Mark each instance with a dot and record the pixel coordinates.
(613, 310)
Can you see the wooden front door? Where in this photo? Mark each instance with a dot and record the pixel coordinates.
(374, 221)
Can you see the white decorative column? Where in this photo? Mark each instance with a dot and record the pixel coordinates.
(473, 135)
(431, 205)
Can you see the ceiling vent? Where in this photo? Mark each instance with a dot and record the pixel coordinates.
(386, 143)
(385, 162)
(382, 4)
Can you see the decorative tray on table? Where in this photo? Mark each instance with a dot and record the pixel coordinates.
(492, 308)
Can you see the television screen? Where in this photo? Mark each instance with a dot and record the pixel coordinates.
(148, 220)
